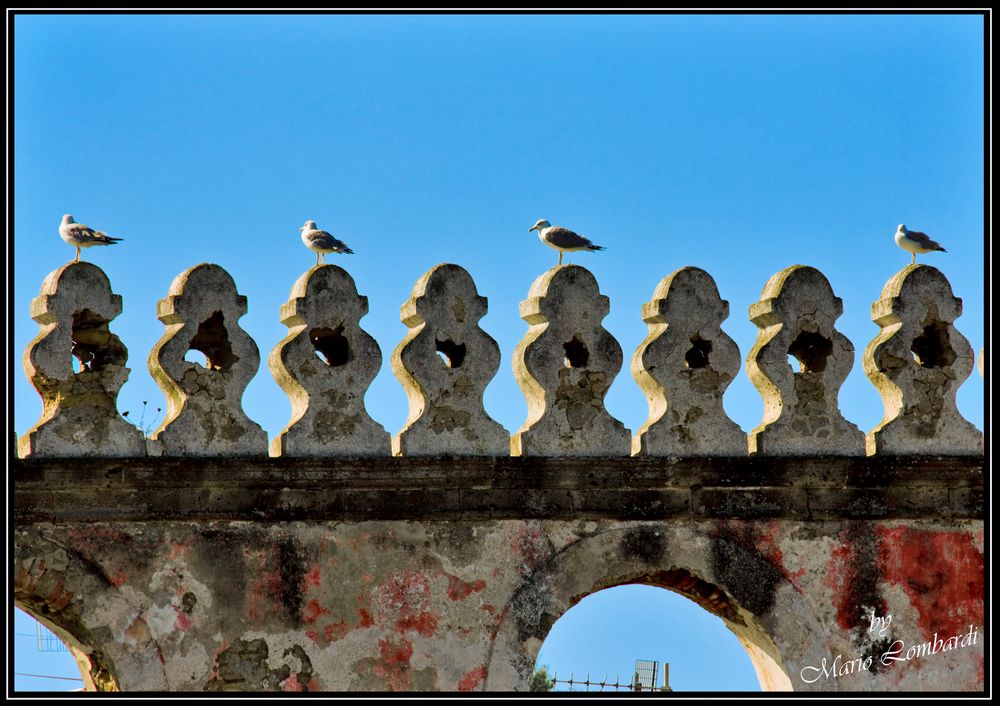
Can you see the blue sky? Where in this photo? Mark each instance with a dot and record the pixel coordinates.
(739, 144)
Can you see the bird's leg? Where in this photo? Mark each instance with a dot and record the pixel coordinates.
(77, 254)
(914, 260)
(317, 259)
(560, 258)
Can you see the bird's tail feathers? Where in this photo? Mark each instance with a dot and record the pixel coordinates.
(347, 251)
(596, 247)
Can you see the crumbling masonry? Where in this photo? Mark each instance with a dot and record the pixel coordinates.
(343, 557)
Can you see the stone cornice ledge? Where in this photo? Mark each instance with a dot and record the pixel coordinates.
(475, 488)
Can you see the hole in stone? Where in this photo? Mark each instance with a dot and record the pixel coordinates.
(931, 348)
(576, 353)
(196, 357)
(213, 341)
(697, 356)
(811, 351)
(331, 345)
(94, 346)
(453, 354)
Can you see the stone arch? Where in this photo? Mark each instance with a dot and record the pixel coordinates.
(73, 598)
(709, 563)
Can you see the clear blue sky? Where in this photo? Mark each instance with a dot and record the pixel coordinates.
(739, 144)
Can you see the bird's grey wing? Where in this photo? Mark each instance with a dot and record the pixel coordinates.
(565, 238)
(322, 239)
(80, 231)
(923, 240)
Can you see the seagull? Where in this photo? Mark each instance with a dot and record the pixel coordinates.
(916, 242)
(321, 242)
(81, 236)
(562, 239)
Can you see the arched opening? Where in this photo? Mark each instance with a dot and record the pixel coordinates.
(599, 643)
(733, 580)
(47, 658)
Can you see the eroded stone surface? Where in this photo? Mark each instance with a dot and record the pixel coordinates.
(444, 364)
(79, 414)
(205, 414)
(917, 362)
(565, 364)
(466, 606)
(325, 364)
(684, 366)
(795, 317)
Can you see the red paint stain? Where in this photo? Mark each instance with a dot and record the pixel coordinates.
(178, 551)
(425, 624)
(836, 578)
(403, 602)
(459, 590)
(941, 572)
(119, 579)
(292, 684)
(312, 611)
(472, 679)
(94, 539)
(314, 684)
(488, 608)
(183, 622)
(366, 618)
(312, 635)
(311, 579)
(767, 545)
(336, 631)
(528, 548)
(394, 664)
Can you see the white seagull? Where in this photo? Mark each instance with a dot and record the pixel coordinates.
(562, 239)
(916, 242)
(321, 242)
(81, 236)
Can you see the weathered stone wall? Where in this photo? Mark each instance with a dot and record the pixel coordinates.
(192, 561)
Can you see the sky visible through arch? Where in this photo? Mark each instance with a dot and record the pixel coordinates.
(740, 144)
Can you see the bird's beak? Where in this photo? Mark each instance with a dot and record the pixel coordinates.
(531, 229)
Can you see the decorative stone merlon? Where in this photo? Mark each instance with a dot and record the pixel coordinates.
(325, 364)
(565, 364)
(685, 364)
(444, 364)
(795, 316)
(79, 412)
(205, 415)
(917, 363)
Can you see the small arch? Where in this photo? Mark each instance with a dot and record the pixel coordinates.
(642, 554)
(607, 631)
